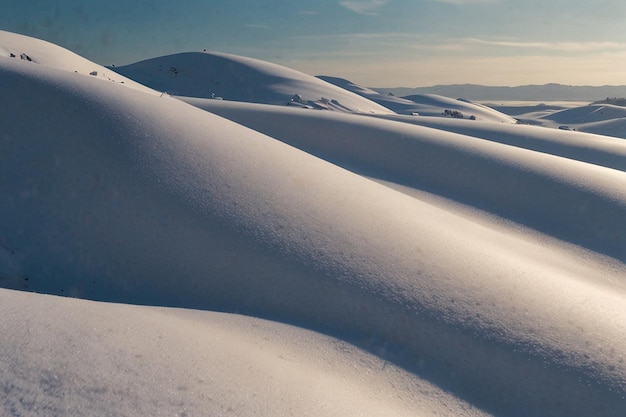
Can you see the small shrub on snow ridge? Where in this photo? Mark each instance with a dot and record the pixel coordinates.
(453, 113)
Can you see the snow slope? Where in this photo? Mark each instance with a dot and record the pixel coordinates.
(35, 51)
(424, 104)
(476, 278)
(115, 359)
(233, 77)
(595, 149)
(511, 182)
(611, 127)
(602, 119)
(587, 114)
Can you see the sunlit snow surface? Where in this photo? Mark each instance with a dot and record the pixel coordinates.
(295, 261)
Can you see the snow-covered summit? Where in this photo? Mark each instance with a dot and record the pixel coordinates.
(237, 78)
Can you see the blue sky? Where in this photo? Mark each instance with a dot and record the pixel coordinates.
(380, 43)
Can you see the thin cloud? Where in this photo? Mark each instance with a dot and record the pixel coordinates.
(418, 70)
(462, 2)
(396, 37)
(256, 26)
(364, 7)
(552, 46)
(385, 44)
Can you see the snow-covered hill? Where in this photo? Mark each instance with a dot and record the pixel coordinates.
(602, 119)
(233, 77)
(587, 114)
(29, 50)
(368, 266)
(425, 104)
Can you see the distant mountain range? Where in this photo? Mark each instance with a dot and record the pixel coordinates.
(546, 92)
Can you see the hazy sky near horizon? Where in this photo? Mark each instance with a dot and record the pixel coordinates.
(376, 43)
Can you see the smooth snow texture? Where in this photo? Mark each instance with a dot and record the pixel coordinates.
(587, 114)
(612, 127)
(601, 119)
(89, 358)
(425, 104)
(232, 77)
(112, 194)
(552, 195)
(35, 51)
(600, 150)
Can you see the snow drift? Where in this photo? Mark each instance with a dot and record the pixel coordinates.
(113, 194)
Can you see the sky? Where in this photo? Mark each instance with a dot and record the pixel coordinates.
(374, 43)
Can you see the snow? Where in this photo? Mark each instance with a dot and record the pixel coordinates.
(588, 114)
(595, 149)
(123, 360)
(180, 255)
(425, 104)
(487, 174)
(603, 119)
(40, 52)
(231, 77)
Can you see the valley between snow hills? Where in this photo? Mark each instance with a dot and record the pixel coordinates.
(209, 234)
